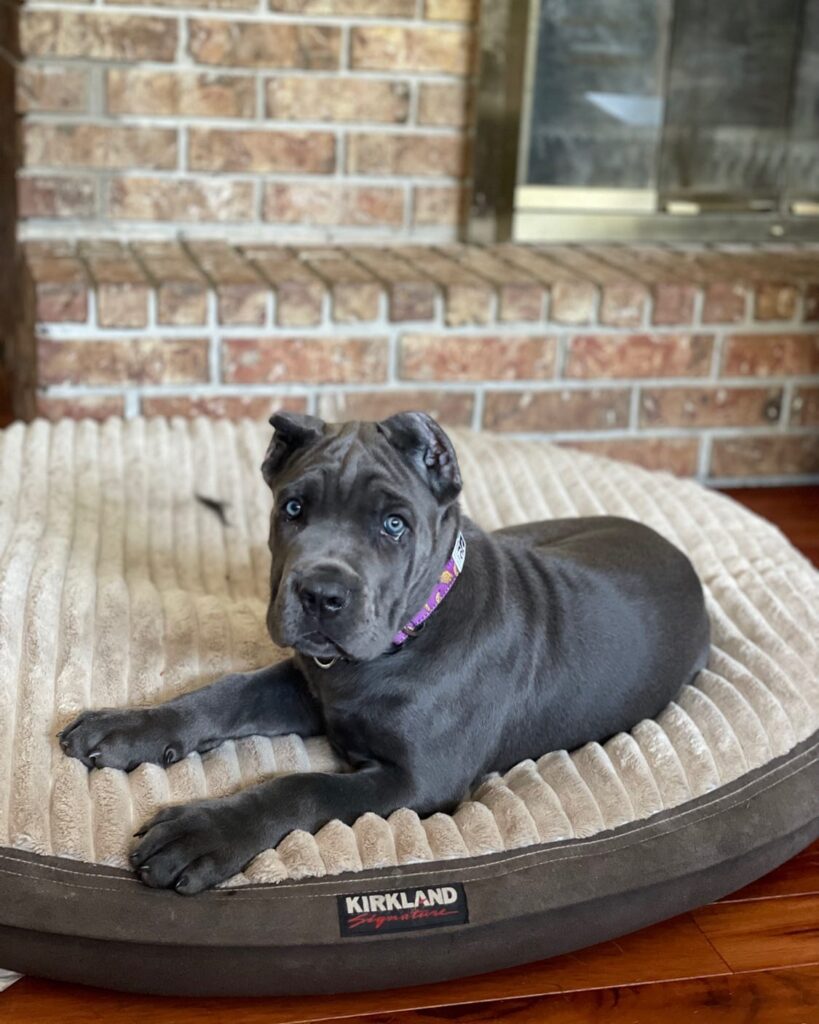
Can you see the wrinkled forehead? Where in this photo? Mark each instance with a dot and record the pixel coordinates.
(351, 464)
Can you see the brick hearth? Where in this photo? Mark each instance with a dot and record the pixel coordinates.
(705, 362)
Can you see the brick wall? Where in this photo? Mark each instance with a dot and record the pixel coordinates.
(323, 124)
(705, 362)
(8, 164)
(321, 118)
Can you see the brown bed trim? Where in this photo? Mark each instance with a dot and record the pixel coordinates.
(85, 923)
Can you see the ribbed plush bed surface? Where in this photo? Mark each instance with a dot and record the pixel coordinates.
(118, 587)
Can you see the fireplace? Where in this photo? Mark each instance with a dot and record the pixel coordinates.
(229, 206)
(647, 119)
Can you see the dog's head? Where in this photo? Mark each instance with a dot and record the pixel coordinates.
(362, 521)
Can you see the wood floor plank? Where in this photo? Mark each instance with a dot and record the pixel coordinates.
(671, 950)
(767, 997)
(795, 510)
(763, 934)
(798, 877)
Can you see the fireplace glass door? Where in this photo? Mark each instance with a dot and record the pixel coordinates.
(662, 118)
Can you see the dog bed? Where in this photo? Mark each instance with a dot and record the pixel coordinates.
(119, 585)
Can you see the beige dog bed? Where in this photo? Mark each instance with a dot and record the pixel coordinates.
(117, 586)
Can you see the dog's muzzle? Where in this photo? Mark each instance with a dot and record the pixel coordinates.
(319, 608)
(324, 592)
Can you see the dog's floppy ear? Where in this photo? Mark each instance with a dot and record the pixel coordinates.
(293, 430)
(425, 444)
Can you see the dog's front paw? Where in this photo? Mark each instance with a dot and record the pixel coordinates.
(115, 738)
(195, 846)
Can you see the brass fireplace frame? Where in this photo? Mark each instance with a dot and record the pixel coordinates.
(503, 207)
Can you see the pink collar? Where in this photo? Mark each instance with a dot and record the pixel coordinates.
(446, 582)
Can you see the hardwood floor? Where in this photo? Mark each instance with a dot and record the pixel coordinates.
(795, 510)
(751, 958)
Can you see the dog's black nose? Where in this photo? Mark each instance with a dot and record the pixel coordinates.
(322, 596)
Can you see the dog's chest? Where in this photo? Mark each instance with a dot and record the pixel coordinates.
(361, 720)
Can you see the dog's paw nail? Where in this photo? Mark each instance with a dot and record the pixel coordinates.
(140, 834)
(182, 883)
(169, 756)
(94, 755)
(144, 871)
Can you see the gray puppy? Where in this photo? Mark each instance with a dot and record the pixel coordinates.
(428, 651)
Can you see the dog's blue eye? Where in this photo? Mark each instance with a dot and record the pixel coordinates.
(293, 508)
(394, 526)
